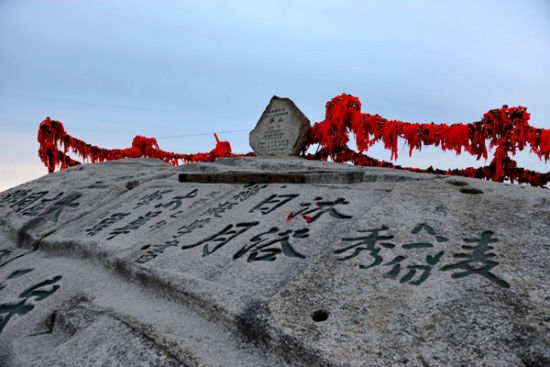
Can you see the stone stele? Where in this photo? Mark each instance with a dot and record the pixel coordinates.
(282, 130)
(272, 262)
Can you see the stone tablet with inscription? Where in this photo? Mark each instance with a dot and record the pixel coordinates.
(282, 130)
(272, 262)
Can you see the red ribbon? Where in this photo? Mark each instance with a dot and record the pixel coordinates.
(506, 128)
(51, 135)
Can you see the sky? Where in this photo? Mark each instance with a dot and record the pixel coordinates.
(181, 70)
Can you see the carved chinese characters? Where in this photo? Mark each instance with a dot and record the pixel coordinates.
(272, 223)
(32, 204)
(318, 260)
(282, 130)
(476, 261)
(27, 299)
(154, 203)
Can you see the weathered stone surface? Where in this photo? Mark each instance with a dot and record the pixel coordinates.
(282, 130)
(353, 267)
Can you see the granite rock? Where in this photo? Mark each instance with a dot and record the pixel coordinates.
(283, 130)
(122, 264)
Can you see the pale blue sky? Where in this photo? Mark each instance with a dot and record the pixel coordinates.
(110, 70)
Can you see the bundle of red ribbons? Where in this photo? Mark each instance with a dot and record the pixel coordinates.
(507, 130)
(52, 135)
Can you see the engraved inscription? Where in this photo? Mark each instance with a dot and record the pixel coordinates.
(373, 243)
(28, 298)
(274, 140)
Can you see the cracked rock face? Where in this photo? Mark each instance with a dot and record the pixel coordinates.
(272, 262)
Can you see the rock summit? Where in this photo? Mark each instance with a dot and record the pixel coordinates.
(272, 262)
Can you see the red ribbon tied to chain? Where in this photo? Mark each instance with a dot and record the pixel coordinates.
(507, 129)
(51, 135)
